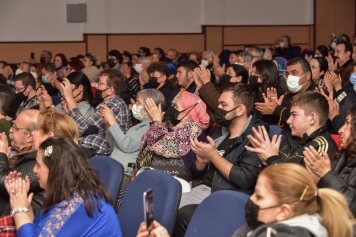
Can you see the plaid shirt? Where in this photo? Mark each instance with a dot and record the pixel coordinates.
(99, 141)
(7, 226)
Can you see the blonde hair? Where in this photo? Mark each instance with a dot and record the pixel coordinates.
(292, 184)
(60, 124)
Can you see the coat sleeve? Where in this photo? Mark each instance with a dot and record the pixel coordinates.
(129, 142)
(334, 181)
(209, 95)
(4, 171)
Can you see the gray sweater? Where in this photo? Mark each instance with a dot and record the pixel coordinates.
(84, 107)
(126, 146)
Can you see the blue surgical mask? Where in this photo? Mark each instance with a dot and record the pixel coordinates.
(353, 78)
(44, 79)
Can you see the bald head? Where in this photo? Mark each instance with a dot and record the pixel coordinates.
(20, 132)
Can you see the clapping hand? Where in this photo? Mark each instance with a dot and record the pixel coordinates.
(262, 145)
(319, 164)
(107, 115)
(4, 144)
(332, 66)
(17, 189)
(154, 113)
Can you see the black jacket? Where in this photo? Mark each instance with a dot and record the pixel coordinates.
(344, 182)
(191, 88)
(167, 90)
(25, 165)
(241, 177)
(291, 149)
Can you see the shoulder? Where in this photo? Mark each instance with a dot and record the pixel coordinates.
(281, 230)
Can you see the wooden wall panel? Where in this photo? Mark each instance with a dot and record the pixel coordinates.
(184, 43)
(345, 17)
(96, 44)
(333, 16)
(266, 35)
(19, 52)
(214, 41)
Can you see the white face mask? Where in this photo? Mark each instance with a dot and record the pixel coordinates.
(34, 75)
(333, 45)
(18, 71)
(281, 44)
(293, 83)
(136, 112)
(205, 63)
(138, 68)
(315, 56)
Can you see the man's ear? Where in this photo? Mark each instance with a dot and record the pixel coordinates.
(313, 118)
(308, 75)
(190, 74)
(241, 110)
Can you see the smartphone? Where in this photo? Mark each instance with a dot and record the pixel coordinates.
(271, 232)
(148, 207)
(32, 56)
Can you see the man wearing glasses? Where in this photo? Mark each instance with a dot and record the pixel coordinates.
(93, 130)
(25, 89)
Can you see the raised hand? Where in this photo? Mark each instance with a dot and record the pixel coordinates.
(154, 113)
(107, 115)
(332, 66)
(319, 164)
(262, 145)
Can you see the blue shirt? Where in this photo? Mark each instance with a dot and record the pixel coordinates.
(78, 223)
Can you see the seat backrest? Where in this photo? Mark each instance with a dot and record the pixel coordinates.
(111, 173)
(220, 214)
(275, 130)
(166, 197)
(282, 64)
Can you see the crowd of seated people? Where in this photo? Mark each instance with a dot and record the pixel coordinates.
(275, 124)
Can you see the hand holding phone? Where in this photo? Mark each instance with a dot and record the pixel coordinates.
(148, 207)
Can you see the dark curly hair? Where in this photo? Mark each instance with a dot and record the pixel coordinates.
(70, 172)
(351, 148)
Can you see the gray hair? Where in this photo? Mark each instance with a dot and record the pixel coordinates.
(144, 60)
(210, 54)
(246, 56)
(257, 50)
(155, 95)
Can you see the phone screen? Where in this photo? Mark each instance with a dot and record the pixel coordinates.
(148, 207)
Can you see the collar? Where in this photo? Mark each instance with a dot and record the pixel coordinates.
(348, 62)
(305, 139)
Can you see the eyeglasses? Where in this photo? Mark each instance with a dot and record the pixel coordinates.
(20, 89)
(17, 128)
(100, 83)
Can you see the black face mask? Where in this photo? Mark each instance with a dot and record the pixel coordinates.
(220, 117)
(111, 63)
(254, 84)
(42, 59)
(99, 95)
(21, 96)
(251, 214)
(225, 79)
(153, 82)
(174, 113)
